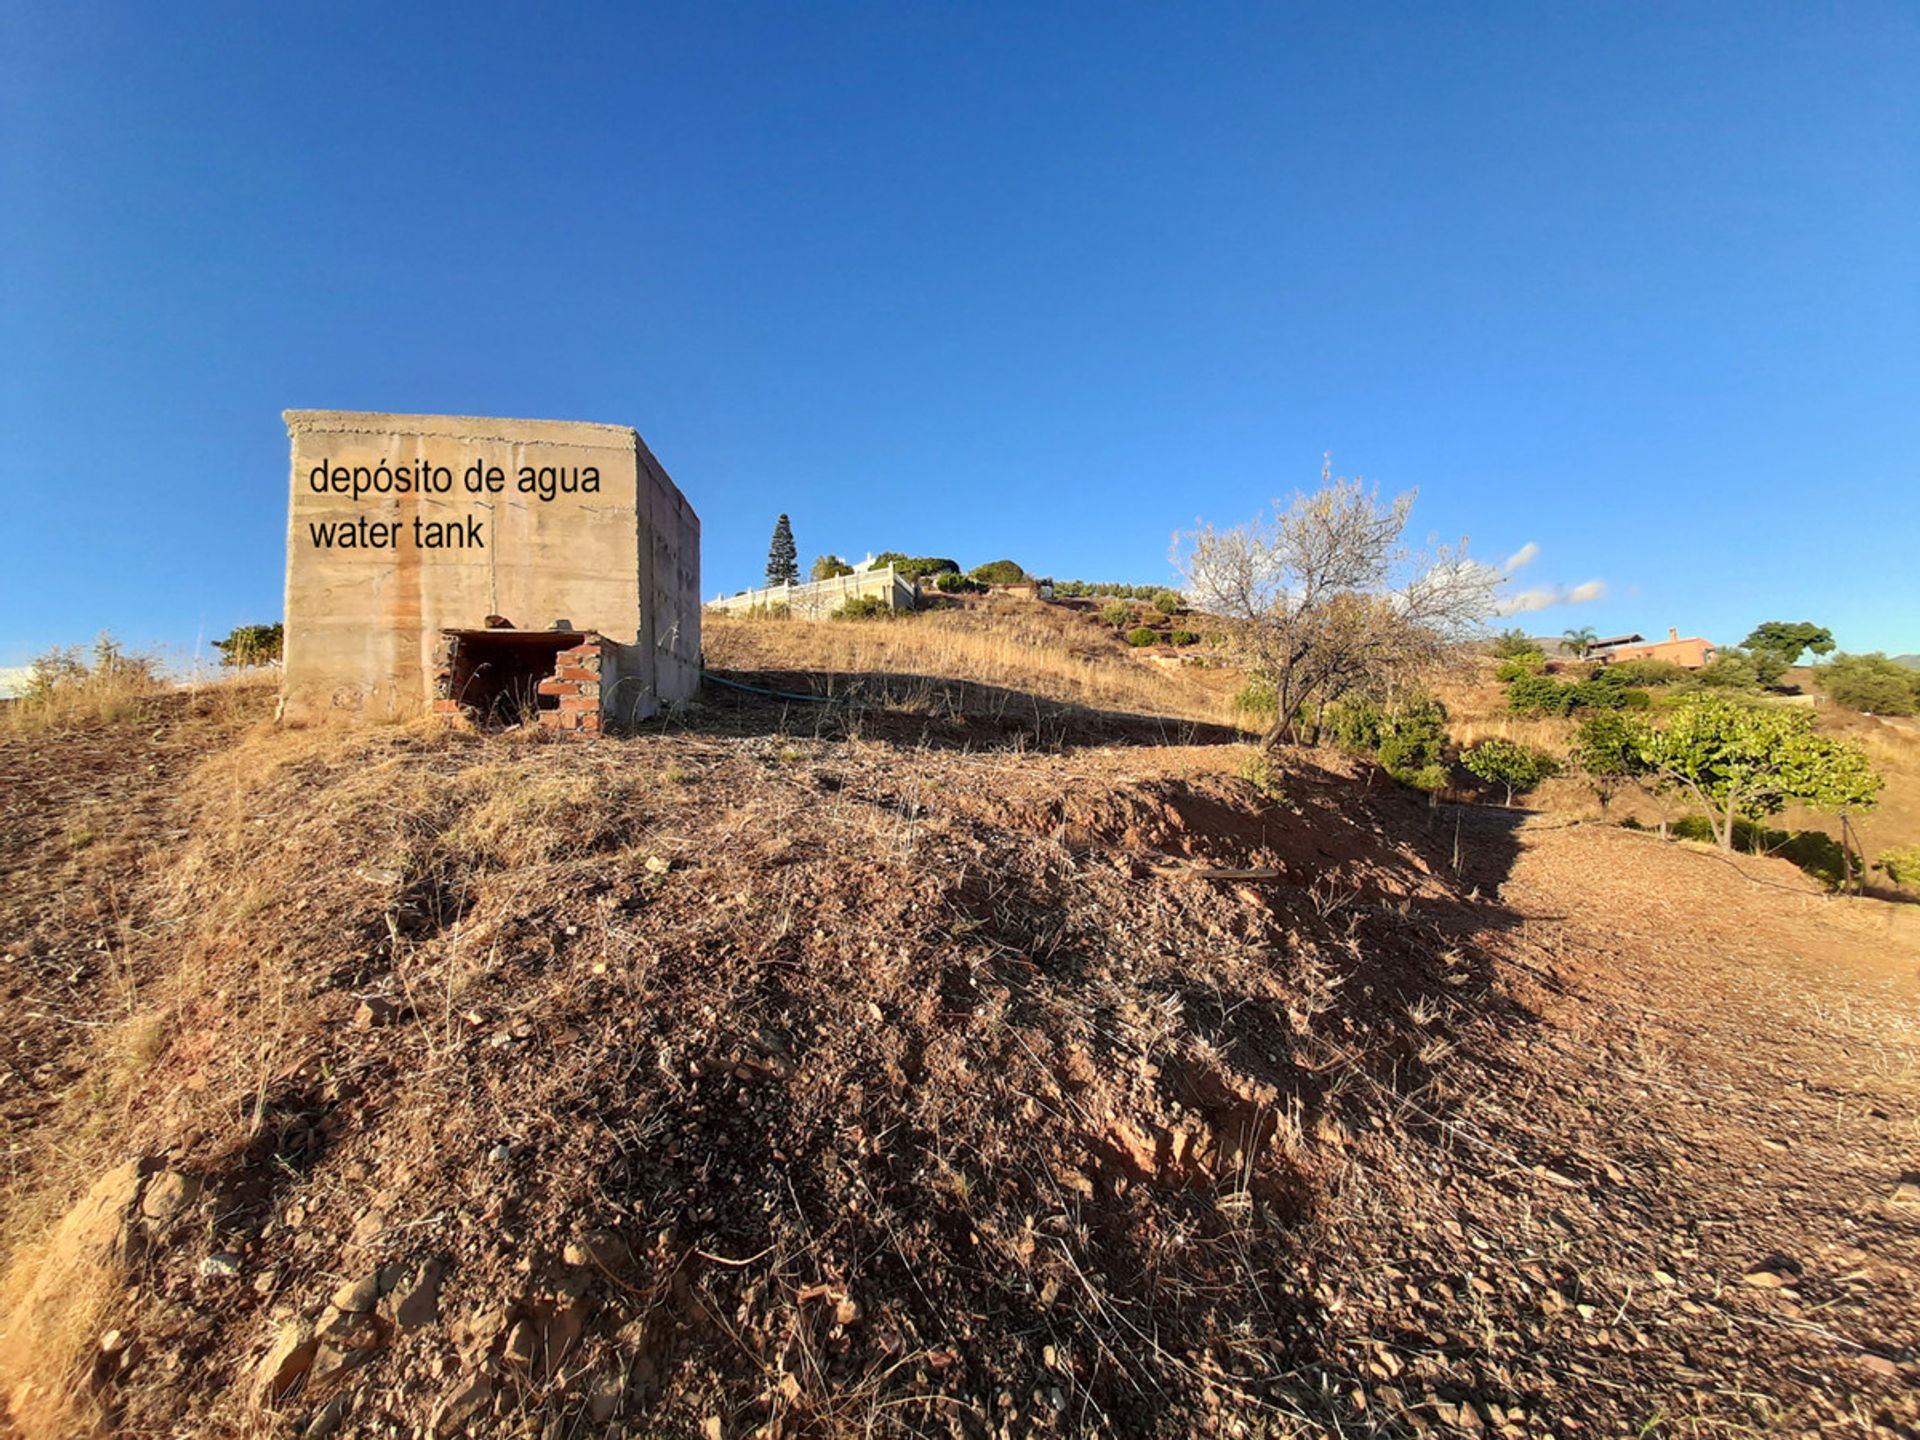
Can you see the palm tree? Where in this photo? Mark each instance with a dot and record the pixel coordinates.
(1580, 641)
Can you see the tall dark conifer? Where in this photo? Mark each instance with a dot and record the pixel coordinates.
(783, 560)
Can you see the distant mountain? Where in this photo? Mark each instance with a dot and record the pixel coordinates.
(1912, 662)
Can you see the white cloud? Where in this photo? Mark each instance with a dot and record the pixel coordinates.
(1545, 597)
(1521, 557)
(13, 678)
(1522, 601)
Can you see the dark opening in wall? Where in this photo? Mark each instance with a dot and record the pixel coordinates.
(495, 675)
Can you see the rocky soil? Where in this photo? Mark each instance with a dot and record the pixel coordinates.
(736, 1081)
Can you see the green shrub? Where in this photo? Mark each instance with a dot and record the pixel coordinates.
(915, 567)
(1730, 671)
(1901, 865)
(1255, 701)
(1514, 667)
(1167, 602)
(1116, 613)
(830, 567)
(1510, 764)
(1143, 635)
(1872, 684)
(1513, 643)
(1355, 723)
(998, 572)
(1607, 750)
(1185, 637)
(1413, 742)
(864, 607)
(1260, 771)
(952, 582)
(1604, 691)
(1539, 695)
(1069, 589)
(1647, 672)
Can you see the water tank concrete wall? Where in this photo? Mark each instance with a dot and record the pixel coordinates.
(363, 623)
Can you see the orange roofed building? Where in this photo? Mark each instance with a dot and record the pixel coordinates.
(1693, 652)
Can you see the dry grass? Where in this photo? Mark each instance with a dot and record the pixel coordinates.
(1019, 647)
(76, 693)
(920, 1031)
(55, 1299)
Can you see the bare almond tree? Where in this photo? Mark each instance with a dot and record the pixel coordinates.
(1326, 598)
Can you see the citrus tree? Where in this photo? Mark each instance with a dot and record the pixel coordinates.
(1607, 750)
(1742, 761)
(1508, 762)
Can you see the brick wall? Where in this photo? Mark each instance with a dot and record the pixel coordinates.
(508, 676)
(575, 683)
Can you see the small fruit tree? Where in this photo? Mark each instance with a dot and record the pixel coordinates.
(1607, 751)
(1745, 761)
(1507, 762)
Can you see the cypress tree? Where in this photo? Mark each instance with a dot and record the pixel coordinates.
(783, 560)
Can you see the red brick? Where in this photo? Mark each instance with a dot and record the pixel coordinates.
(551, 686)
(578, 672)
(580, 702)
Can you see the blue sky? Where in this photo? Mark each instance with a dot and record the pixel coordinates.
(1637, 285)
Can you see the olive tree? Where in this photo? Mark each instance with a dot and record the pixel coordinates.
(1325, 598)
(1745, 761)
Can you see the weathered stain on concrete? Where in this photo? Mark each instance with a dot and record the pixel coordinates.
(363, 625)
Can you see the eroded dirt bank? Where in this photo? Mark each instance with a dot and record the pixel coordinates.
(748, 1083)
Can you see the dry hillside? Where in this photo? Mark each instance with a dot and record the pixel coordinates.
(1476, 703)
(978, 1054)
